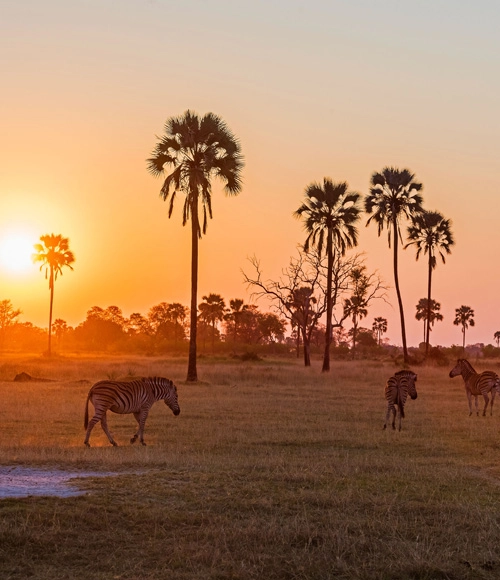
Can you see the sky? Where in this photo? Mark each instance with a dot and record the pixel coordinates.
(312, 89)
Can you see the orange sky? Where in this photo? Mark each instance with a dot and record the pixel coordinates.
(311, 89)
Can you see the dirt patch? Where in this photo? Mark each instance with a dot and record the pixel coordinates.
(27, 481)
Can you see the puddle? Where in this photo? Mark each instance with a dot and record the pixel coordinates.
(27, 481)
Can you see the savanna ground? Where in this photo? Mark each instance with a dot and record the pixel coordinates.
(271, 471)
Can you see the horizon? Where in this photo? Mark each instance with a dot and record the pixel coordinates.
(323, 90)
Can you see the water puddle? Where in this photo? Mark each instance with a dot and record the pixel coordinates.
(27, 481)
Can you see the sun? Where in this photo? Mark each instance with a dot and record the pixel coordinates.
(16, 249)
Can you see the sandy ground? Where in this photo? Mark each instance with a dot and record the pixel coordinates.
(27, 481)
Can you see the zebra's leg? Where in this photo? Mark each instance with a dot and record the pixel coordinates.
(394, 412)
(486, 401)
(477, 405)
(138, 419)
(92, 423)
(493, 393)
(469, 399)
(104, 425)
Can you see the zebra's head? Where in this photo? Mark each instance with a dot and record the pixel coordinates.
(459, 367)
(171, 398)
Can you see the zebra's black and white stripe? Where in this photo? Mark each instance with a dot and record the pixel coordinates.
(397, 389)
(135, 396)
(477, 384)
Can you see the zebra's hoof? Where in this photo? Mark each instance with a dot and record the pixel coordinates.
(114, 443)
(143, 443)
(133, 440)
(86, 443)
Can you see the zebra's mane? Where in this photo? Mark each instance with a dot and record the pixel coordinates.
(466, 363)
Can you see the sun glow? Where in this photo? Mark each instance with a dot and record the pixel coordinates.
(16, 249)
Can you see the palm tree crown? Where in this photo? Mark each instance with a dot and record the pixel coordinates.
(464, 317)
(430, 232)
(393, 196)
(330, 208)
(196, 149)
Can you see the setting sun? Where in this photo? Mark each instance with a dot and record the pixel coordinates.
(16, 250)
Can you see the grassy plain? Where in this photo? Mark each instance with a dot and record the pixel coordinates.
(271, 471)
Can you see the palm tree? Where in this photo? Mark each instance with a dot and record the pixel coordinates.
(394, 196)
(197, 149)
(237, 309)
(356, 306)
(464, 317)
(212, 310)
(431, 234)
(330, 214)
(54, 254)
(428, 311)
(379, 326)
(496, 336)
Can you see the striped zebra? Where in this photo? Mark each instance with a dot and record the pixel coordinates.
(477, 384)
(135, 396)
(397, 389)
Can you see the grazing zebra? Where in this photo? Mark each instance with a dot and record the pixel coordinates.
(135, 396)
(477, 384)
(397, 389)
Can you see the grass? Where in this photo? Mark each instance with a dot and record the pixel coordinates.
(271, 471)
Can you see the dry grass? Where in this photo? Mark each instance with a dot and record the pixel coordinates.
(270, 471)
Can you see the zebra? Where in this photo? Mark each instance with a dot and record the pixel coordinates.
(397, 389)
(135, 396)
(477, 384)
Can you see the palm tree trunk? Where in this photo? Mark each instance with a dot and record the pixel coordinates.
(398, 292)
(51, 284)
(463, 345)
(428, 321)
(329, 306)
(192, 375)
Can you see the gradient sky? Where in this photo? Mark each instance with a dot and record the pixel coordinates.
(312, 89)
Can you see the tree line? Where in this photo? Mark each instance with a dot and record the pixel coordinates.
(195, 150)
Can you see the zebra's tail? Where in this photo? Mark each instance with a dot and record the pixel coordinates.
(400, 406)
(86, 419)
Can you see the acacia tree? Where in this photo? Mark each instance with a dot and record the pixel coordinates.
(379, 327)
(54, 254)
(197, 149)
(428, 311)
(393, 197)
(330, 212)
(431, 234)
(464, 317)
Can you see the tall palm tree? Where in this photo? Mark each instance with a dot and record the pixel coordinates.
(54, 254)
(379, 326)
(464, 317)
(393, 197)
(196, 149)
(431, 234)
(330, 214)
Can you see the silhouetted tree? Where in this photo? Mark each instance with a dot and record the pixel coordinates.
(428, 312)
(330, 212)
(496, 336)
(54, 254)
(464, 317)
(212, 311)
(7, 318)
(197, 149)
(379, 327)
(394, 196)
(431, 234)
